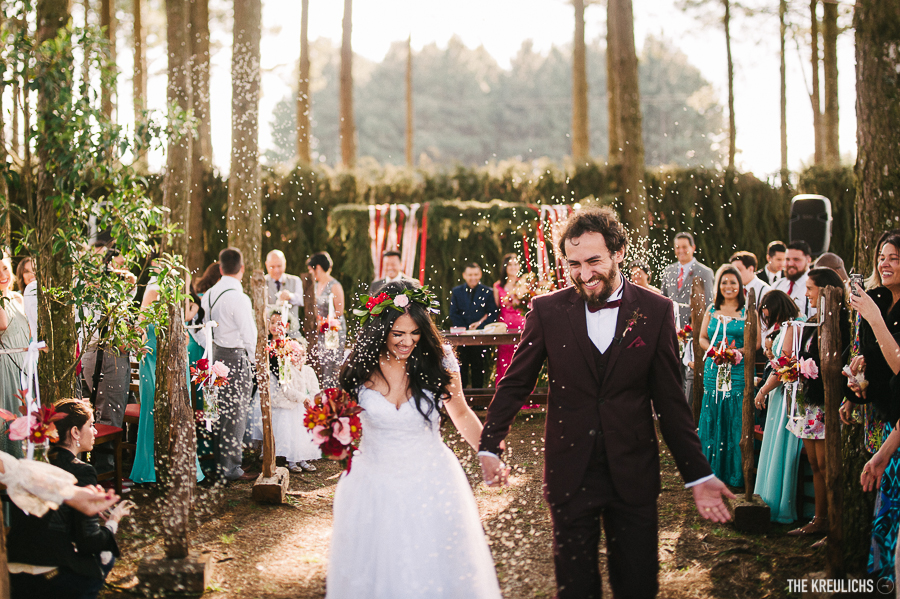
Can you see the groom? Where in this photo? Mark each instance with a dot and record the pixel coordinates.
(611, 350)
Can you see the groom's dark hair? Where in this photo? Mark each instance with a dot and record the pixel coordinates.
(595, 220)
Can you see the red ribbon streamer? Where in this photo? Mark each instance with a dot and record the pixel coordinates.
(424, 244)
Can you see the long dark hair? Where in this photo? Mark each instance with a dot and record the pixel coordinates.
(504, 277)
(424, 365)
(729, 270)
(780, 306)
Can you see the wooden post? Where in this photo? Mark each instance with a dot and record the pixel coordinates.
(751, 333)
(272, 484)
(310, 324)
(698, 307)
(830, 370)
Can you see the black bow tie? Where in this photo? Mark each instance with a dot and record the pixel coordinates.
(604, 305)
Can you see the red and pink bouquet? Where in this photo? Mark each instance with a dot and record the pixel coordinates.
(684, 334)
(333, 420)
(329, 324)
(728, 354)
(789, 370)
(210, 376)
(38, 428)
(284, 348)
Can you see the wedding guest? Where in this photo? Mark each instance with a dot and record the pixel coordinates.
(835, 263)
(332, 340)
(510, 315)
(779, 458)
(27, 285)
(471, 307)
(641, 274)
(292, 387)
(879, 359)
(745, 264)
(24, 274)
(677, 283)
(234, 342)
(810, 427)
(721, 414)
(773, 271)
(65, 553)
(14, 333)
(796, 268)
(391, 264)
(282, 287)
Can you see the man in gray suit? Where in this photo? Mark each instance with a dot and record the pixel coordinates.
(390, 261)
(677, 282)
(282, 287)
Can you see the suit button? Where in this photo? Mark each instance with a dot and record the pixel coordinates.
(592, 432)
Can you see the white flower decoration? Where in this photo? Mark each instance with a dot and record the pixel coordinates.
(401, 301)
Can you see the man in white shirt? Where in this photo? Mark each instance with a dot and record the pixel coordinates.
(282, 287)
(391, 262)
(745, 263)
(796, 270)
(772, 272)
(234, 343)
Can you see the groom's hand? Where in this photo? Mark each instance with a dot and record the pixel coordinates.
(494, 472)
(708, 497)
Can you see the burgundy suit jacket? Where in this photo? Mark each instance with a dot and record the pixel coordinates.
(643, 366)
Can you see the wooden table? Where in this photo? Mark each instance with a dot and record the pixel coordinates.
(481, 338)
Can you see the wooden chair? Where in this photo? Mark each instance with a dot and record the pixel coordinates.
(108, 433)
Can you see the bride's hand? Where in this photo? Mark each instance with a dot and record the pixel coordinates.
(494, 472)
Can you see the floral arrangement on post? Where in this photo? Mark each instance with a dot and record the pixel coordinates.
(526, 289)
(334, 422)
(794, 373)
(37, 428)
(285, 351)
(203, 375)
(725, 357)
(684, 334)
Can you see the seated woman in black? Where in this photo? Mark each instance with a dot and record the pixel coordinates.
(65, 553)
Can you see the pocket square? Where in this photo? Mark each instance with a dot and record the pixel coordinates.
(638, 342)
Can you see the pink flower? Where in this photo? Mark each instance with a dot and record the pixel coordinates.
(809, 369)
(296, 347)
(739, 357)
(401, 301)
(318, 437)
(220, 370)
(20, 429)
(341, 429)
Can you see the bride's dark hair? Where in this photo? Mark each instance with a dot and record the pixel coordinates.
(424, 365)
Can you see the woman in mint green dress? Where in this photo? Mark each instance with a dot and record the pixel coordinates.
(776, 476)
(722, 412)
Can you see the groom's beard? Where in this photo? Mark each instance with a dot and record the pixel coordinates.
(598, 295)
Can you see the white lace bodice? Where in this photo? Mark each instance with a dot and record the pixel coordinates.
(389, 432)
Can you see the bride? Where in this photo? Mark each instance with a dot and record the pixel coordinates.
(405, 521)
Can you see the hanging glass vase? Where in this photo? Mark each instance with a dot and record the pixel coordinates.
(284, 372)
(210, 405)
(332, 338)
(41, 451)
(723, 378)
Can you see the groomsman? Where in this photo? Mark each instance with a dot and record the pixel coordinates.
(677, 282)
(772, 272)
(282, 287)
(234, 342)
(796, 270)
(390, 262)
(472, 306)
(745, 263)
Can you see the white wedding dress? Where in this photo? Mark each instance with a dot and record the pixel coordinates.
(405, 521)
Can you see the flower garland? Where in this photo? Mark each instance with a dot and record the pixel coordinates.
(334, 422)
(373, 305)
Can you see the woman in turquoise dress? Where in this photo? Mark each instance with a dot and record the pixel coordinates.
(722, 413)
(779, 458)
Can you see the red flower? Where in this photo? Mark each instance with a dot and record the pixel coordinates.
(374, 301)
(202, 364)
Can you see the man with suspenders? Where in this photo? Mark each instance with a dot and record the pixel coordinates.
(234, 343)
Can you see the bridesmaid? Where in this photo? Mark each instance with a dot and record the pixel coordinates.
(509, 315)
(329, 294)
(14, 333)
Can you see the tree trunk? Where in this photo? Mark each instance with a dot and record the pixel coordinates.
(303, 125)
(581, 144)
(14, 141)
(829, 63)
(614, 155)
(782, 10)
(732, 129)
(56, 320)
(410, 161)
(176, 193)
(819, 156)
(634, 205)
(348, 125)
(877, 27)
(201, 151)
(139, 80)
(108, 24)
(244, 218)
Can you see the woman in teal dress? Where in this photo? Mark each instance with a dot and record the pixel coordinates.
(722, 412)
(779, 458)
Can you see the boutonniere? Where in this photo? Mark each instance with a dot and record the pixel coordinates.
(635, 318)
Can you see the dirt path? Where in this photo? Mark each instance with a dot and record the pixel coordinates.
(282, 551)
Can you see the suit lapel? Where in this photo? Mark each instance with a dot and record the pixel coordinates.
(626, 309)
(578, 321)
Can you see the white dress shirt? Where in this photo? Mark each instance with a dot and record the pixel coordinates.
(233, 311)
(601, 325)
(772, 277)
(797, 293)
(759, 286)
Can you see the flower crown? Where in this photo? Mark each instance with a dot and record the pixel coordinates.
(376, 304)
